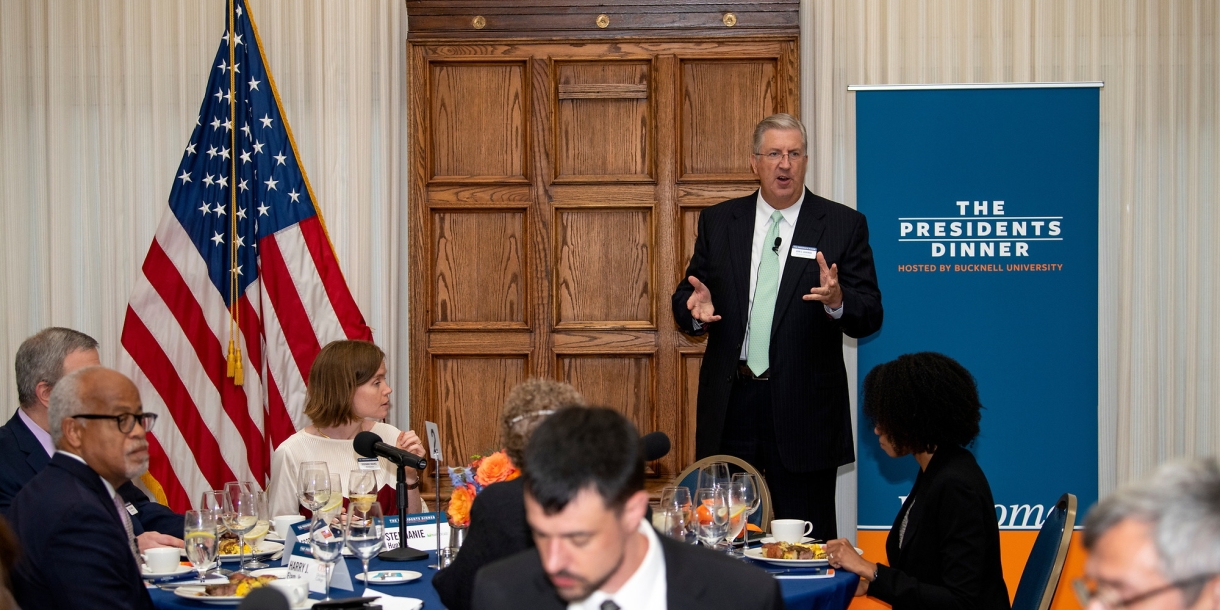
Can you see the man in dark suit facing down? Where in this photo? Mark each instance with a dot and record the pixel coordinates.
(77, 546)
(585, 503)
(776, 279)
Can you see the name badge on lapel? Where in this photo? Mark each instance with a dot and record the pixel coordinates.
(803, 252)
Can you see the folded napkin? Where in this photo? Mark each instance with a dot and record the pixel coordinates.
(390, 602)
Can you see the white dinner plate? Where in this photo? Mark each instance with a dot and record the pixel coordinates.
(757, 555)
(181, 569)
(264, 548)
(196, 593)
(389, 577)
(276, 572)
(770, 539)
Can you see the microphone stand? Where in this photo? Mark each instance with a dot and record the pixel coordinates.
(403, 552)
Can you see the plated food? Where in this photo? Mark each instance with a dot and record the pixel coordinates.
(789, 550)
(239, 585)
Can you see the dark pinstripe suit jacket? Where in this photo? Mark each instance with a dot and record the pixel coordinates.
(808, 379)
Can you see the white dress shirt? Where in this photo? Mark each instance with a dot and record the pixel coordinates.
(44, 437)
(645, 590)
(762, 225)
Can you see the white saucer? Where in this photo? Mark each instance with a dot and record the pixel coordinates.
(180, 570)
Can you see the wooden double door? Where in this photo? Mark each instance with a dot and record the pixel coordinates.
(554, 193)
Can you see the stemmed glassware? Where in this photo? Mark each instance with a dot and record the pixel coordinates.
(212, 504)
(743, 501)
(200, 539)
(712, 514)
(240, 516)
(362, 488)
(714, 475)
(677, 514)
(261, 527)
(313, 485)
(326, 542)
(365, 532)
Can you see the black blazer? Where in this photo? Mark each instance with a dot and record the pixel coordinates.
(498, 529)
(74, 551)
(22, 457)
(950, 557)
(696, 579)
(809, 399)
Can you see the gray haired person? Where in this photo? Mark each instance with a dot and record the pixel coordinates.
(1156, 543)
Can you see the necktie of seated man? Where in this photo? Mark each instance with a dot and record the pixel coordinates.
(758, 357)
(126, 519)
(609, 605)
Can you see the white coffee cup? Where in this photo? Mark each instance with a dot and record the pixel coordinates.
(283, 525)
(161, 560)
(295, 589)
(790, 530)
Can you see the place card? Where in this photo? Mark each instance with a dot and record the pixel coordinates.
(421, 531)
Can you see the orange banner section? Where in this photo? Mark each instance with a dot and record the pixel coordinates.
(1014, 549)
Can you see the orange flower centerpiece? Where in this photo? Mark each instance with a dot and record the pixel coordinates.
(470, 480)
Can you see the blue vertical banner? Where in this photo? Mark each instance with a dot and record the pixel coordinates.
(982, 208)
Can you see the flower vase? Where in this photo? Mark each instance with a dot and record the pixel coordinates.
(457, 535)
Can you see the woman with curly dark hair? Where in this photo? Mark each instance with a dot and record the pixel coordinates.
(944, 547)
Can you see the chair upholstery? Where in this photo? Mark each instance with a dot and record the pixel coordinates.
(1045, 564)
(689, 478)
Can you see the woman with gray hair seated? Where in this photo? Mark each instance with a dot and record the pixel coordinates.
(497, 517)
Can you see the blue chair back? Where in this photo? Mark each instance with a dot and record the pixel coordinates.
(1045, 564)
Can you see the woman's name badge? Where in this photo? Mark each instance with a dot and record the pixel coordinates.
(368, 463)
(803, 252)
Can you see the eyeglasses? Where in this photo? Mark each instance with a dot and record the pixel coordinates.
(125, 421)
(1087, 593)
(794, 156)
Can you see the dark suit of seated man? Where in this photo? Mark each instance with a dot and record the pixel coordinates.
(78, 550)
(585, 503)
(25, 441)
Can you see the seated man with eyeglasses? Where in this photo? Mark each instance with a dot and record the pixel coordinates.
(1156, 543)
(78, 549)
(25, 441)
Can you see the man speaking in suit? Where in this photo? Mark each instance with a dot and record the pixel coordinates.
(777, 278)
(77, 546)
(585, 504)
(25, 441)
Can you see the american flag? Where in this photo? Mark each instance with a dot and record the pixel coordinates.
(242, 221)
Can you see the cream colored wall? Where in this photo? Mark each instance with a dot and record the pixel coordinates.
(1159, 351)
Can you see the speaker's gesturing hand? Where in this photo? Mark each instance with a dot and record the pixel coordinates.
(700, 302)
(829, 292)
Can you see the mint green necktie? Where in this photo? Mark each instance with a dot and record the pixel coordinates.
(758, 356)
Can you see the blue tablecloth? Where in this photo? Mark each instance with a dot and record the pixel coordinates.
(814, 594)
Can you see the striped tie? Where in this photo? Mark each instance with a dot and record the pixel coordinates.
(758, 357)
(126, 519)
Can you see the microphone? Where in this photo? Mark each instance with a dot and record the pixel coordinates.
(369, 444)
(656, 445)
(778, 240)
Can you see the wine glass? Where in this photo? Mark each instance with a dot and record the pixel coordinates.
(326, 542)
(714, 475)
(240, 516)
(335, 505)
(678, 524)
(200, 539)
(313, 486)
(261, 527)
(213, 505)
(365, 533)
(677, 500)
(362, 488)
(743, 501)
(750, 497)
(712, 514)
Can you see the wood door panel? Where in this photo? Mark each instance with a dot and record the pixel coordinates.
(603, 268)
(555, 186)
(478, 120)
(478, 278)
(721, 103)
(603, 132)
(468, 393)
(621, 382)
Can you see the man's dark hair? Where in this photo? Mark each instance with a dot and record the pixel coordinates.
(579, 448)
(923, 401)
